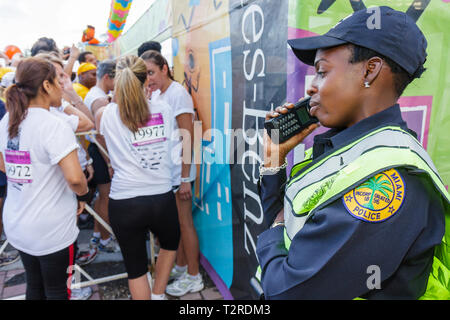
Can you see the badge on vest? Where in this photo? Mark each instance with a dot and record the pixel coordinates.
(377, 199)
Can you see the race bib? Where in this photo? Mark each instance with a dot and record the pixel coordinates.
(18, 166)
(152, 132)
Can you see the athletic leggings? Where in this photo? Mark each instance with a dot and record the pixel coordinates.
(48, 276)
(131, 219)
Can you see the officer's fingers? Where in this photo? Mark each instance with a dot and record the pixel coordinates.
(288, 105)
(279, 110)
(304, 133)
(271, 114)
(299, 137)
(284, 108)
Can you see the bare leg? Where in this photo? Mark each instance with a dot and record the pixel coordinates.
(181, 257)
(188, 235)
(139, 288)
(101, 207)
(164, 264)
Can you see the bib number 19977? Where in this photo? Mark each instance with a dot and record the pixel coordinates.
(152, 132)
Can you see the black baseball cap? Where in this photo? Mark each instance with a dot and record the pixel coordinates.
(389, 32)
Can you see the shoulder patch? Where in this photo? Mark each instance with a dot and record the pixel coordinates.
(377, 199)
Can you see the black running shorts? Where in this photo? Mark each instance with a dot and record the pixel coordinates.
(131, 219)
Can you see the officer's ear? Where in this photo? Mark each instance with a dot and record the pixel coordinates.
(373, 68)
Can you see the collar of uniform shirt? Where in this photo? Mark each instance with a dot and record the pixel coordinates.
(335, 138)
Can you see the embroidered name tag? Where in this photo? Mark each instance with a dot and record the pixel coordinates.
(18, 166)
(377, 199)
(152, 132)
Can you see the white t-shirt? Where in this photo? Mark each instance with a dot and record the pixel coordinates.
(94, 94)
(73, 121)
(141, 160)
(40, 210)
(181, 102)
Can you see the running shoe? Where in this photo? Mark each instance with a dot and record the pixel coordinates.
(94, 242)
(81, 294)
(110, 247)
(184, 285)
(175, 274)
(9, 257)
(159, 298)
(85, 257)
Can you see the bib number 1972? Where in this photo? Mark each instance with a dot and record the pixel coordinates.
(18, 166)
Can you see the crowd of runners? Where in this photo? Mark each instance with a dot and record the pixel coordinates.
(77, 132)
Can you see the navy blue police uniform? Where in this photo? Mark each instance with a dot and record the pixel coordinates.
(339, 252)
(330, 258)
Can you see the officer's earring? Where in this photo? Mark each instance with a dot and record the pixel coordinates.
(366, 84)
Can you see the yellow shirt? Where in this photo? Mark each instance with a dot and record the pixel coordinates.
(81, 90)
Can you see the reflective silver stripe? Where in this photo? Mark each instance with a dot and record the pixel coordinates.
(340, 160)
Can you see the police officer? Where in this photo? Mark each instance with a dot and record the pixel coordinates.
(363, 215)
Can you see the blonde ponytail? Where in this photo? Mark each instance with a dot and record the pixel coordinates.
(131, 74)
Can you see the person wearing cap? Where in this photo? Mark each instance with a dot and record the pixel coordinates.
(87, 78)
(363, 215)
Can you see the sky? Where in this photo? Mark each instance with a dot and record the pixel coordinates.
(25, 21)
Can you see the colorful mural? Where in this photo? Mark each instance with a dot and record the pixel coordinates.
(202, 63)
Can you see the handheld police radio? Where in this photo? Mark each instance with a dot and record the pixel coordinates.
(288, 125)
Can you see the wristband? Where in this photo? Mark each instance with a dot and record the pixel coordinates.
(84, 197)
(186, 180)
(90, 161)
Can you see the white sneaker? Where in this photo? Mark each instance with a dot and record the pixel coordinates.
(156, 297)
(185, 284)
(175, 274)
(81, 294)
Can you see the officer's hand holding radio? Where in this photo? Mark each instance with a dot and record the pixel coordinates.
(288, 124)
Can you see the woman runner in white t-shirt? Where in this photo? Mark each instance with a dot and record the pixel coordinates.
(39, 156)
(138, 137)
(186, 271)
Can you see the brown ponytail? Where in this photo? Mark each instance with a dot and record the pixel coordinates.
(30, 75)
